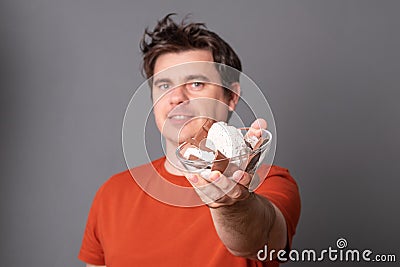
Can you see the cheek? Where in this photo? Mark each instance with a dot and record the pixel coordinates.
(222, 96)
(158, 115)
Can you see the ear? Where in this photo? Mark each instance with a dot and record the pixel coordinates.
(235, 95)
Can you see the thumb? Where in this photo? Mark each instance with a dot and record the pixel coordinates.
(259, 123)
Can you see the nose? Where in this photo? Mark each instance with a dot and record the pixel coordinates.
(178, 95)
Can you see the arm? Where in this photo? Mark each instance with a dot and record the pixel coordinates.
(244, 221)
(90, 265)
(246, 226)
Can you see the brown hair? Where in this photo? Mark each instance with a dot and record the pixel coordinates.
(168, 36)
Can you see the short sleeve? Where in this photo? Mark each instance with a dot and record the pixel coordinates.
(281, 189)
(91, 250)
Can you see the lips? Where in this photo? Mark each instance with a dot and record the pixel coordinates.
(180, 117)
(181, 114)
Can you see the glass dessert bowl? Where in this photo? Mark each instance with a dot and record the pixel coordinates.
(203, 156)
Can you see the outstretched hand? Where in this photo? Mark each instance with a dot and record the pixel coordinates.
(216, 189)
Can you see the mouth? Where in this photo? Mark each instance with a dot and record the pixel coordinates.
(181, 114)
(180, 118)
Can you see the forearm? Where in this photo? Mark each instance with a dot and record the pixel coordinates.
(246, 226)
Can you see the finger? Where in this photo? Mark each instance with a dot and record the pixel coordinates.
(207, 191)
(222, 182)
(254, 132)
(233, 190)
(259, 124)
(203, 196)
(242, 178)
(238, 192)
(254, 183)
(219, 189)
(196, 180)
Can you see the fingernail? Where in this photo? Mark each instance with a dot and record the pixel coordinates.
(214, 176)
(206, 173)
(238, 175)
(258, 133)
(193, 178)
(255, 124)
(259, 123)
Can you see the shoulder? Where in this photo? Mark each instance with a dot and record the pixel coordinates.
(280, 172)
(276, 181)
(116, 181)
(281, 188)
(125, 181)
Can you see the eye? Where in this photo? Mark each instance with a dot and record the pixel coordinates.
(163, 86)
(196, 85)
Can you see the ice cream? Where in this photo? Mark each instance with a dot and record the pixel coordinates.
(194, 153)
(226, 139)
(221, 144)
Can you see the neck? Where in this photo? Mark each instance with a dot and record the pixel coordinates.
(172, 162)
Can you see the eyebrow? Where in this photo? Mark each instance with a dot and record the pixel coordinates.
(162, 80)
(199, 77)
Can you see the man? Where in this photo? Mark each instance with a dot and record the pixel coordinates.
(127, 227)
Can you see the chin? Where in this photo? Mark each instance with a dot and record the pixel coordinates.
(175, 137)
(184, 136)
(179, 135)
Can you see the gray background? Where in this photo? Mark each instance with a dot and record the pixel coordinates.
(330, 70)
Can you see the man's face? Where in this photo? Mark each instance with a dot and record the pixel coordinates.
(185, 94)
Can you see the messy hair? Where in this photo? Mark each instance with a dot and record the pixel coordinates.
(171, 37)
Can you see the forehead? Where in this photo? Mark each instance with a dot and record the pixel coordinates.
(193, 63)
(168, 60)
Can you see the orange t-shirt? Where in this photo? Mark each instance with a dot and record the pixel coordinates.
(127, 227)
